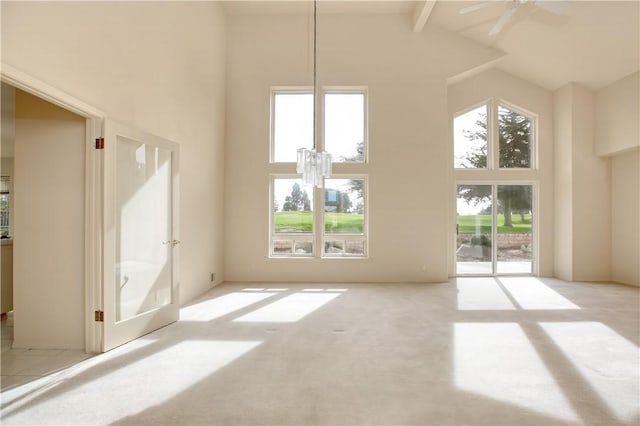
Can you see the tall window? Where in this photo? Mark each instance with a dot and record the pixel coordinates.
(339, 227)
(495, 207)
(470, 139)
(515, 139)
(291, 124)
(292, 218)
(493, 136)
(345, 126)
(344, 217)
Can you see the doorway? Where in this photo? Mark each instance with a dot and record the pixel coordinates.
(44, 159)
(97, 215)
(494, 229)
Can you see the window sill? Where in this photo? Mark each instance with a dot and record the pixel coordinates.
(319, 259)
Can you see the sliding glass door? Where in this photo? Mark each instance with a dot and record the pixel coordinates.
(494, 226)
(474, 254)
(514, 240)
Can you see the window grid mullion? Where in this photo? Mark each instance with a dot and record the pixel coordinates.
(494, 229)
(494, 137)
(318, 226)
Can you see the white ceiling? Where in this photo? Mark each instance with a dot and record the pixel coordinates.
(597, 43)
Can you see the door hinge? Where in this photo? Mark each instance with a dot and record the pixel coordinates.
(99, 143)
(99, 316)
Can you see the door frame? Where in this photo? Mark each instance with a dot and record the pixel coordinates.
(494, 183)
(93, 196)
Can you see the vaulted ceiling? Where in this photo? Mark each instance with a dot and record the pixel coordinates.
(594, 44)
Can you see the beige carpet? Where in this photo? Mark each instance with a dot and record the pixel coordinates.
(509, 351)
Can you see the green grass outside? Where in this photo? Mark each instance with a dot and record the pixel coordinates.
(334, 222)
(469, 224)
(344, 222)
(293, 221)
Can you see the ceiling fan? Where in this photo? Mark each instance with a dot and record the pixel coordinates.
(557, 7)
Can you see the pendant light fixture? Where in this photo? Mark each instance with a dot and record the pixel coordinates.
(315, 166)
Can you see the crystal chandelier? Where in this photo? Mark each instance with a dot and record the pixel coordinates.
(314, 166)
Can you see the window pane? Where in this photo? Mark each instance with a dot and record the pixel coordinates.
(475, 223)
(303, 247)
(514, 239)
(289, 247)
(354, 248)
(470, 139)
(345, 247)
(143, 178)
(292, 125)
(292, 206)
(344, 130)
(282, 247)
(515, 139)
(334, 247)
(344, 206)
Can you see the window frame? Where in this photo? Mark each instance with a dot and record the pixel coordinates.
(301, 90)
(485, 103)
(320, 117)
(325, 236)
(293, 236)
(535, 228)
(348, 170)
(493, 136)
(365, 105)
(318, 235)
(494, 175)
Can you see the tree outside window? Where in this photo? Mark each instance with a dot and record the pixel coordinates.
(494, 223)
(514, 151)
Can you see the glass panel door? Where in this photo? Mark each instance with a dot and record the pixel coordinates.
(494, 237)
(143, 228)
(474, 254)
(140, 286)
(514, 241)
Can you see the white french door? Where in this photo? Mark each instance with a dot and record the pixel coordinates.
(140, 288)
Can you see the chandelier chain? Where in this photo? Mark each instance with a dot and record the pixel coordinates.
(315, 69)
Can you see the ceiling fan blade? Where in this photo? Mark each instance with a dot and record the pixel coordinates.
(558, 7)
(503, 20)
(475, 7)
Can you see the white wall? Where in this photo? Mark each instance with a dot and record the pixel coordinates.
(48, 226)
(563, 183)
(591, 195)
(582, 190)
(409, 183)
(625, 217)
(617, 116)
(159, 66)
(618, 137)
(536, 100)
(7, 124)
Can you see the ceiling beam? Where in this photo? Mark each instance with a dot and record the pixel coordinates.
(421, 14)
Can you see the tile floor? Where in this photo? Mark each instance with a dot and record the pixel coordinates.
(474, 351)
(25, 365)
